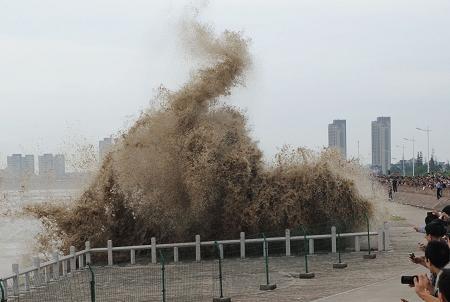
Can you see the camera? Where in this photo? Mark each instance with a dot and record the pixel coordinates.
(408, 279)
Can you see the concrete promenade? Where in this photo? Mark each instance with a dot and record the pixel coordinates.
(390, 289)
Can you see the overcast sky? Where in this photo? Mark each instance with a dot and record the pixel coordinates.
(76, 71)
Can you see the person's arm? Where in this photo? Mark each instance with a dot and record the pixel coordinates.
(420, 229)
(421, 286)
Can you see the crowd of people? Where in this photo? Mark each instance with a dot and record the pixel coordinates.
(433, 182)
(434, 287)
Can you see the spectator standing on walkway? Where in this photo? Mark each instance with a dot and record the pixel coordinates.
(395, 185)
(439, 188)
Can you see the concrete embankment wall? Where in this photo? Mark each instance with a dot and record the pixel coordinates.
(422, 199)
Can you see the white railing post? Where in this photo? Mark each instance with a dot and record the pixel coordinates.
(27, 282)
(264, 248)
(87, 246)
(81, 261)
(311, 246)
(64, 268)
(357, 244)
(110, 253)
(198, 256)
(333, 239)
(55, 266)
(73, 260)
(47, 274)
(133, 256)
(242, 245)
(153, 242)
(288, 242)
(15, 270)
(387, 236)
(221, 250)
(175, 254)
(37, 272)
(380, 239)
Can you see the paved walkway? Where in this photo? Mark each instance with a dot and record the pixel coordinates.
(389, 289)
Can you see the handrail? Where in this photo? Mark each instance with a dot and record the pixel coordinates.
(69, 257)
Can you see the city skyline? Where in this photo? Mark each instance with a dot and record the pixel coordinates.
(292, 91)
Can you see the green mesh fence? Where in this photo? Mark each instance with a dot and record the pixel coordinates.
(267, 262)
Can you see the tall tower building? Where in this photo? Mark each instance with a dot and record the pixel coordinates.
(337, 136)
(381, 144)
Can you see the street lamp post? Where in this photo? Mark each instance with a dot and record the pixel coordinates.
(403, 158)
(412, 140)
(428, 138)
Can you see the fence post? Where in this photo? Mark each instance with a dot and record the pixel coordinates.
(27, 282)
(153, 243)
(92, 283)
(387, 236)
(357, 244)
(5, 289)
(81, 261)
(133, 256)
(64, 268)
(73, 260)
(221, 250)
(339, 264)
(306, 274)
(37, 272)
(47, 274)
(266, 286)
(15, 270)
(221, 298)
(87, 246)
(380, 239)
(163, 276)
(110, 253)
(369, 255)
(311, 246)
(175, 254)
(333, 239)
(2, 293)
(55, 266)
(242, 244)
(288, 242)
(197, 248)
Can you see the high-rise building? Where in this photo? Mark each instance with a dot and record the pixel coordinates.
(52, 165)
(337, 136)
(381, 144)
(28, 165)
(14, 165)
(59, 165)
(19, 166)
(45, 164)
(104, 146)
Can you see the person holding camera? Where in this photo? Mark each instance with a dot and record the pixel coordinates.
(420, 286)
(437, 256)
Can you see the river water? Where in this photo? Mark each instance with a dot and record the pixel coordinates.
(18, 232)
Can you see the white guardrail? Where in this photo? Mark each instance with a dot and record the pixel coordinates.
(64, 265)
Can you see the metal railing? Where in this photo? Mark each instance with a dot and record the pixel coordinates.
(64, 265)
